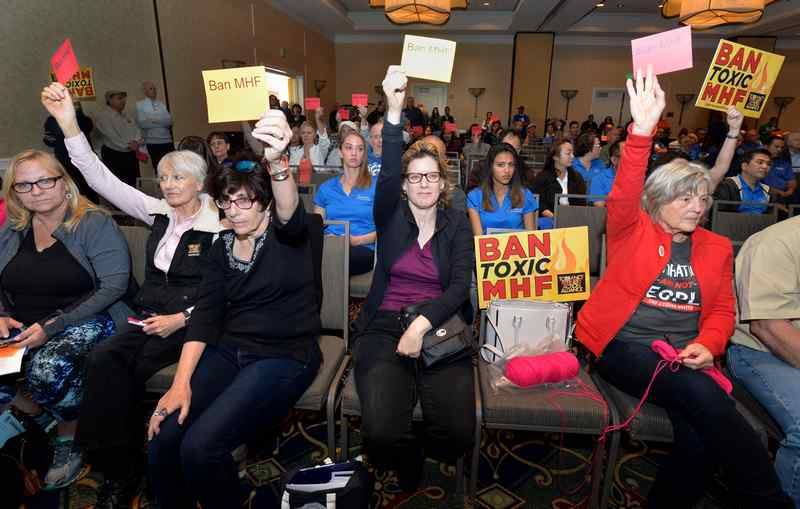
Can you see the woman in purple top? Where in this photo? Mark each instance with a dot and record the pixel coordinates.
(424, 257)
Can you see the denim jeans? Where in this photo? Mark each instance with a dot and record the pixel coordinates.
(709, 432)
(234, 396)
(775, 384)
(388, 388)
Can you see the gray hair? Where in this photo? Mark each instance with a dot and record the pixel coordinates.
(671, 181)
(185, 161)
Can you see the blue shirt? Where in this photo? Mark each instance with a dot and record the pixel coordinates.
(596, 167)
(602, 182)
(505, 216)
(374, 162)
(522, 118)
(355, 208)
(750, 194)
(780, 174)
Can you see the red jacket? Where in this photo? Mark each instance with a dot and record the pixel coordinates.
(638, 250)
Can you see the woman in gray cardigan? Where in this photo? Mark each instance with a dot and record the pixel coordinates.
(64, 265)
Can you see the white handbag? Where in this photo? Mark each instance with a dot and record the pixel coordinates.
(522, 322)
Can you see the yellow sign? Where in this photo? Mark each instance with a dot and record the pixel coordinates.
(534, 265)
(80, 85)
(739, 76)
(428, 58)
(236, 94)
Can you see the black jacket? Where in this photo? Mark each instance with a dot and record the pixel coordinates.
(397, 231)
(546, 185)
(728, 190)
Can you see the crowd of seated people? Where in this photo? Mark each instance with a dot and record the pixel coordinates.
(228, 258)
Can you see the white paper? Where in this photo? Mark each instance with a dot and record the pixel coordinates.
(428, 58)
(11, 360)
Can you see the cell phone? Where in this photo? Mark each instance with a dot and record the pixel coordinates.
(12, 337)
(133, 320)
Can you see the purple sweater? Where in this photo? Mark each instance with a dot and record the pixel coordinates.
(414, 278)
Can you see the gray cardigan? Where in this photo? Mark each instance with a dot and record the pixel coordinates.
(98, 245)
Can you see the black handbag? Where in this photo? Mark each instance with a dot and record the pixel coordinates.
(448, 342)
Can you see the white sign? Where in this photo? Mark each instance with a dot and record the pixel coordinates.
(428, 58)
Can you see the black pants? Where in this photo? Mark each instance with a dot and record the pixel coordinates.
(122, 164)
(362, 259)
(709, 432)
(157, 151)
(389, 386)
(111, 423)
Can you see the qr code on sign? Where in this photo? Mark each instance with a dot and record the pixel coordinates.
(571, 283)
(755, 101)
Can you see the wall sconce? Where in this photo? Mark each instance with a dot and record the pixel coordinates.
(476, 92)
(782, 102)
(319, 85)
(684, 99)
(569, 95)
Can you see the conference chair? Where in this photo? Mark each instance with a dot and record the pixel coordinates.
(738, 226)
(307, 193)
(585, 215)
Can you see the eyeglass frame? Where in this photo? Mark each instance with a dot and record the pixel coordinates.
(411, 177)
(219, 203)
(37, 183)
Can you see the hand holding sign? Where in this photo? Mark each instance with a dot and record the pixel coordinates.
(275, 132)
(394, 86)
(64, 62)
(734, 119)
(57, 101)
(647, 102)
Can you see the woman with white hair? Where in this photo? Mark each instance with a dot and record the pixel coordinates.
(669, 279)
(184, 224)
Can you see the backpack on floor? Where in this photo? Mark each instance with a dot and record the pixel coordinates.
(346, 485)
(24, 460)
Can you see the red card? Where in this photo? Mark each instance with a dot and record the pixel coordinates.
(344, 114)
(360, 100)
(493, 119)
(417, 131)
(312, 103)
(64, 62)
(450, 127)
(476, 131)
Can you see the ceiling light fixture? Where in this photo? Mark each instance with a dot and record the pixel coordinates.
(431, 12)
(600, 4)
(704, 14)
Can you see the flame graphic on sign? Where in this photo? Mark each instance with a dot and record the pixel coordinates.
(763, 78)
(565, 261)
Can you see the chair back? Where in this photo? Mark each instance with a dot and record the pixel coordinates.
(136, 237)
(149, 186)
(307, 192)
(738, 226)
(336, 280)
(584, 215)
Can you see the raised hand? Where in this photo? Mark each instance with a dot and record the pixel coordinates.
(646, 102)
(275, 132)
(735, 119)
(58, 102)
(394, 86)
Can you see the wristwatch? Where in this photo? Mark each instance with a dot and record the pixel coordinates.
(186, 314)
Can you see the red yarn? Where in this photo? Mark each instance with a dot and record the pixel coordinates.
(669, 353)
(529, 370)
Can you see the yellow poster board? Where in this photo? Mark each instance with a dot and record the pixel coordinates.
(739, 76)
(80, 85)
(428, 58)
(550, 265)
(236, 94)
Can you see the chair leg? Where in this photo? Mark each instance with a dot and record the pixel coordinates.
(345, 438)
(608, 475)
(460, 484)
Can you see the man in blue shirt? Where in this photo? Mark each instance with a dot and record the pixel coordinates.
(748, 186)
(603, 181)
(523, 119)
(413, 114)
(375, 149)
(781, 175)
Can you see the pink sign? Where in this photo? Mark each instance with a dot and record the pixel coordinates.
(311, 103)
(64, 62)
(360, 99)
(450, 127)
(667, 51)
(344, 114)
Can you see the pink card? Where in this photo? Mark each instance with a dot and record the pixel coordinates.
(64, 62)
(667, 51)
(450, 127)
(476, 131)
(312, 103)
(344, 114)
(360, 100)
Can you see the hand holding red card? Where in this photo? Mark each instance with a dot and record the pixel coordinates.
(360, 100)
(64, 62)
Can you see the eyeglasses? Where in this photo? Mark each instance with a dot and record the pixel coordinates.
(416, 178)
(241, 203)
(27, 187)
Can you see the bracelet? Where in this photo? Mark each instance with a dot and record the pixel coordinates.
(280, 176)
(734, 137)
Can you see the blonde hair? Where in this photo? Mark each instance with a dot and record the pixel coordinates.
(19, 217)
(364, 177)
(671, 181)
(422, 149)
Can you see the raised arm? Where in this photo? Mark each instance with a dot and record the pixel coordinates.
(275, 133)
(256, 146)
(57, 101)
(728, 149)
(390, 179)
(646, 103)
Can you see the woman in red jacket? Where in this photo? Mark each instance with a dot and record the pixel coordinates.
(669, 279)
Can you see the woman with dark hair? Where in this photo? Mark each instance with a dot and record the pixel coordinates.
(437, 121)
(557, 177)
(670, 279)
(297, 117)
(250, 350)
(587, 160)
(350, 197)
(501, 201)
(220, 148)
(425, 258)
